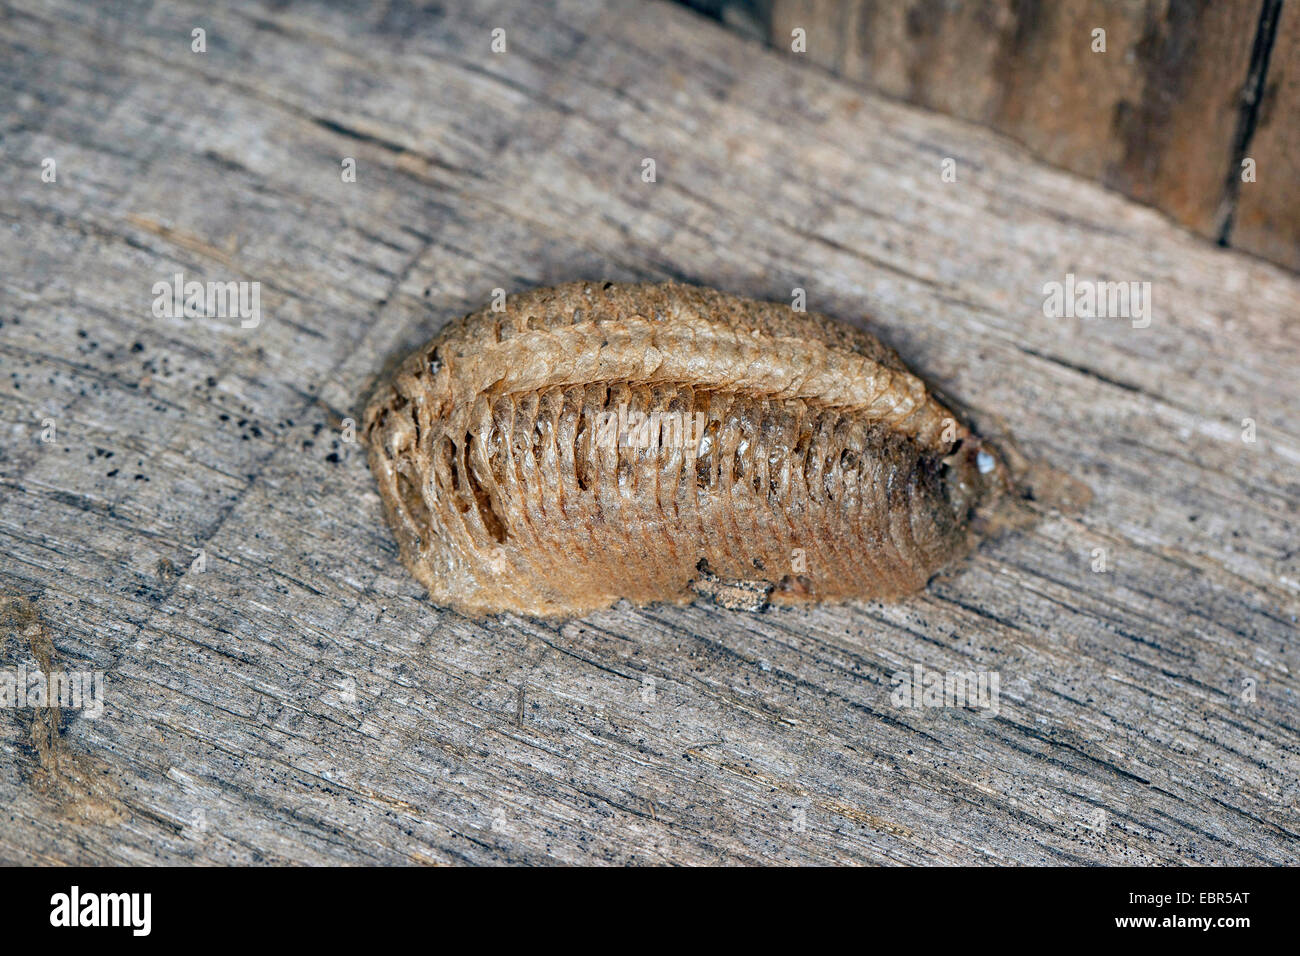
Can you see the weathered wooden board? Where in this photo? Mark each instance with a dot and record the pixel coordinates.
(299, 700)
(1162, 105)
(1266, 217)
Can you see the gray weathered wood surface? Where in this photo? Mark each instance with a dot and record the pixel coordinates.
(300, 701)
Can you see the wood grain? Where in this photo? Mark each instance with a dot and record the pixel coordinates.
(1159, 114)
(1266, 215)
(299, 701)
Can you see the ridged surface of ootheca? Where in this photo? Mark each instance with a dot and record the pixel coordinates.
(598, 441)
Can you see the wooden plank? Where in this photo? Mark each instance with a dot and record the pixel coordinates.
(1156, 115)
(299, 700)
(1266, 215)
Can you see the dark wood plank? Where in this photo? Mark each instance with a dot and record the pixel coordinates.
(1162, 114)
(1266, 215)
